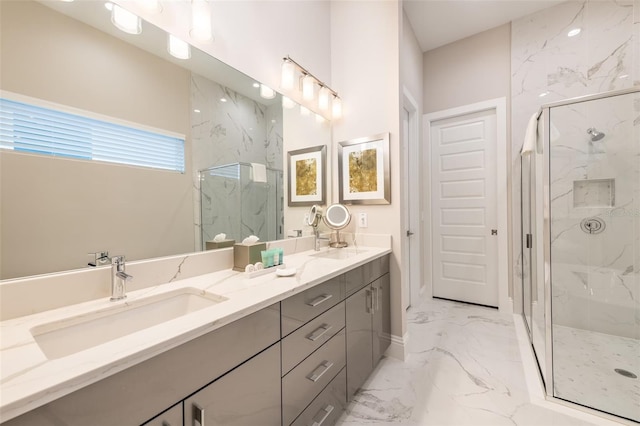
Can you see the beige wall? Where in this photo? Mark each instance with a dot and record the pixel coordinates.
(54, 210)
(365, 70)
(474, 69)
(471, 70)
(412, 83)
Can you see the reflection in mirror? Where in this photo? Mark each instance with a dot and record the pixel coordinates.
(337, 217)
(56, 210)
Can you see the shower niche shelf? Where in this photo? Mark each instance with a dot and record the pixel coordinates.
(594, 193)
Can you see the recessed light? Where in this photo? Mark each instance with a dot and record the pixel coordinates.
(624, 76)
(196, 110)
(574, 32)
(223, 99)
(543, 94)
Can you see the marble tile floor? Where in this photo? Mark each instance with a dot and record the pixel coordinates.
(585, 363)
(464, 368)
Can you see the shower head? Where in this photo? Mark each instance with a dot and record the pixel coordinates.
(595, 135)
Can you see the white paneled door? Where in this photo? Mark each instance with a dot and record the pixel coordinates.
(464, 208)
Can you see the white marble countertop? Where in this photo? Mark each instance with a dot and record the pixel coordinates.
(29, 379)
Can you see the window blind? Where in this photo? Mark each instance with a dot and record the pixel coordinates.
(34, 129)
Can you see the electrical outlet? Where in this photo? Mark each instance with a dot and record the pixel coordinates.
(362, 220)
(306, 219)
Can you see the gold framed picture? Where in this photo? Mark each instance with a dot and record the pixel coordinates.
(363, 170)
(307, 176)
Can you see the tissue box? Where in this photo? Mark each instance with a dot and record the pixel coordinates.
(244, 254)
(212, 245)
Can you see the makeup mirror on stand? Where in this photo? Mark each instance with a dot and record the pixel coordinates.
(337, 217)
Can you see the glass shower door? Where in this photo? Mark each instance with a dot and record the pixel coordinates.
(594, 172)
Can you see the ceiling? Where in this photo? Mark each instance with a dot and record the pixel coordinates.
(439, 22)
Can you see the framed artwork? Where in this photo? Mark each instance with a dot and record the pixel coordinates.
(307, 176)
(363, 170)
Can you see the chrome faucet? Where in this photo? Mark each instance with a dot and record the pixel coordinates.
(100, 258)
(118, 278)
(317, 239)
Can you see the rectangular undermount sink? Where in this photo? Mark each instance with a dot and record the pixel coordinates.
(74, 334)
(338, 253)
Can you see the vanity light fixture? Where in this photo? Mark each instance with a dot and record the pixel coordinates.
(308, 91)
(574, 32)
(287, 81)
(125, 21)
(326, 95)
(323, 98)
(267, 92)
(336, 107)
(201, 28)
(178, 48)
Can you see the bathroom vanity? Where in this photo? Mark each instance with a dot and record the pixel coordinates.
(273, 351)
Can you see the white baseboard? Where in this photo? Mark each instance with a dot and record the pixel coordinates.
(398, 347)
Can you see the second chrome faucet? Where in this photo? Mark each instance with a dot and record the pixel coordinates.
(118, 278)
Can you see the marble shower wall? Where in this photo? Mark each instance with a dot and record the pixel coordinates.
(548, 66)
(596, 276)
(224, 132)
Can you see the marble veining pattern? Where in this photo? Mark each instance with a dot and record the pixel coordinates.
(464, 368)
(584, 370)
(226, 132)
(548, 66)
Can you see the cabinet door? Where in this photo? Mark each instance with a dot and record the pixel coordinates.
(359, 339)
(381, 317)
(248, 395)
(171, 417)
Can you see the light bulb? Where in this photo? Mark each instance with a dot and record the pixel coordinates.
(267, 92)
(179, 48)
(307, 87)
(201, 20)
(323, 98)
(287, 103)
(125, 20)
(288, 75)
(337, 107)
(304, 111)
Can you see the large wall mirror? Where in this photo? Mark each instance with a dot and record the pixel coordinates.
(56, 210)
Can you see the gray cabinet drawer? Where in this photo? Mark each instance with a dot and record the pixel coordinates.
(326, 409)
(357, 278)
(304, 382)
(171, 417)
(299, 344)
(246, 396)
(300, 308)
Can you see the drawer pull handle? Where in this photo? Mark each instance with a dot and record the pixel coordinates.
(198, 415)
(319, 332)
(319, 371)
(369, 301)
(320, 299)
(322, 414)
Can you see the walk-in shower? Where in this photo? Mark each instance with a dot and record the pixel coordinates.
(236, 202)
(581, 251)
